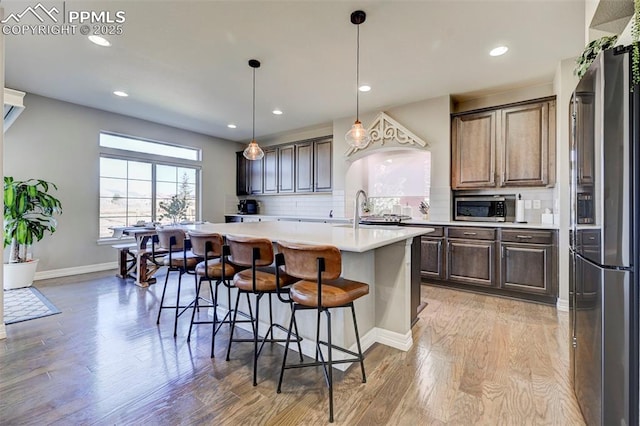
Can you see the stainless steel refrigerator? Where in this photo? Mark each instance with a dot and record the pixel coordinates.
(604, 241)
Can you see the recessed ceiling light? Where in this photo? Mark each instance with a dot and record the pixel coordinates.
(121, 93)
(500, 50)
(364, 88)
(231, 126)
(100, 41)
(277, 112)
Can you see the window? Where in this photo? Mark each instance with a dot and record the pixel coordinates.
(137, 175)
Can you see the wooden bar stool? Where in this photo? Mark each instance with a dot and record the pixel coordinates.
(179, 259)
(321, 288)
(256, 254)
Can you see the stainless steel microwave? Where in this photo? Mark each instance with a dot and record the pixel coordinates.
(482, 208)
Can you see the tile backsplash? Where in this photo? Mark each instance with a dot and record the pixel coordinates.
(341, 205)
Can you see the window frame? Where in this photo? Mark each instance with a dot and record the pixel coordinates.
(154, 160)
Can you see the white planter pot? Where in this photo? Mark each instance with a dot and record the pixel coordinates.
(17, 275)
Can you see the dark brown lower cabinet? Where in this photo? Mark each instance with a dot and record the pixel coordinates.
(432, 254)
(431, 258)
(512, 262)
(471, 262)
(527, 267)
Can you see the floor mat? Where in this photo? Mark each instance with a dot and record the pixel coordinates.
(24, 304)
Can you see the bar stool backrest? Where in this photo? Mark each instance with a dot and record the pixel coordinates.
(164, 238)
(199, 242)
(301, 260)
(242, 249)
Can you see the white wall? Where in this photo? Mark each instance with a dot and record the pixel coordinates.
(58, 141)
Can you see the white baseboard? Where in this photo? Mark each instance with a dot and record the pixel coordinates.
(395, 340)
(76, 270)
(562, 305)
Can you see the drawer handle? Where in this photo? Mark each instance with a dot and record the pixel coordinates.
(592, 238)
(527, 237)
(470, 233)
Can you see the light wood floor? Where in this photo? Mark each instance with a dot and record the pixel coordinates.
(476, 360)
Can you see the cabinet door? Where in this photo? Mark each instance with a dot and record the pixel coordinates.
(524, 143)
(473, 150)
(304, 167)
(527, 267)
(471, 262)
(431, 258)
(322, 165)
(243, 176)
(270, 164)
(285, 168)
(255, 176)
(584, 137)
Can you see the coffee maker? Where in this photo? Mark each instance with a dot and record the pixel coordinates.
(248, 207)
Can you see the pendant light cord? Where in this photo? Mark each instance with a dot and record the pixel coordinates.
(358, 73)
(253, 133)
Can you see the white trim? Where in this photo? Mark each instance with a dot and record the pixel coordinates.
(386, 129)
(3, 331)
(562, 305)
(395, 340)
(76, 270)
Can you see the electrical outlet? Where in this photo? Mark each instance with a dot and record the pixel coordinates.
(536, 204)
(527, 204)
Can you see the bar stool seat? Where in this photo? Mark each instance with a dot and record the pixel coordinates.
(337, 292)
(265, 280)
(213, 269)
(189, 261)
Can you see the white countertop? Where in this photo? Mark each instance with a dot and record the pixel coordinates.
(342, 236)
(291, 218)
(481, 224)
(406, 222)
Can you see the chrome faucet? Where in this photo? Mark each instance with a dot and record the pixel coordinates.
(356, 208)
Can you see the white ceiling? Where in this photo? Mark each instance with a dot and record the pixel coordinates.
(184, 63)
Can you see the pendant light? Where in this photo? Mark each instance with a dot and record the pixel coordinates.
(253, 151)
(358, 137)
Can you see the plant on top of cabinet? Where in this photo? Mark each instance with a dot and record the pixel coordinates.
(590, 52)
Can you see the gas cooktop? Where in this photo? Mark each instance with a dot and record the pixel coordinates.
(385, 219)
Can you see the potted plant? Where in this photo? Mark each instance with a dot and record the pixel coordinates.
(28, 214)
(590, 52)
(174, 210)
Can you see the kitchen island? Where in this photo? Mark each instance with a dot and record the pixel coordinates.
(379, 256)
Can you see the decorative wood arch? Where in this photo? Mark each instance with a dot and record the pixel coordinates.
(386, 129)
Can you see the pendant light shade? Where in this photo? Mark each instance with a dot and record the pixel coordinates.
(358, 137)
(253, 150)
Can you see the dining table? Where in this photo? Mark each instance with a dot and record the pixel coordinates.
(143, 255)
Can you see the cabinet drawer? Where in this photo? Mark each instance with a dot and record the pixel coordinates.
(526, 236)
(438, 231)
(472, 233)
